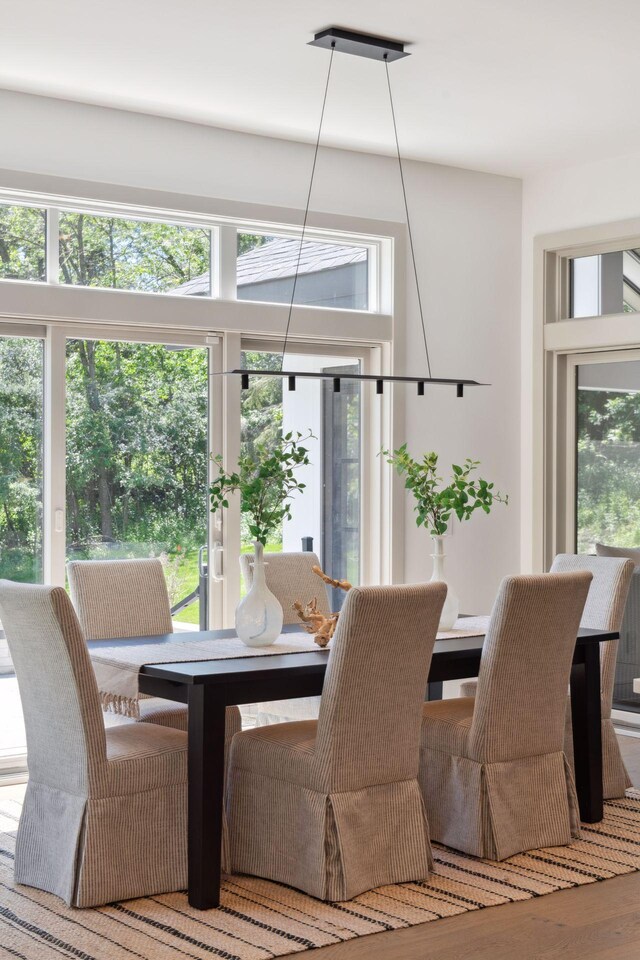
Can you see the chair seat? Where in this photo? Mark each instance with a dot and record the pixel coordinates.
(277, 750)
(144, 756)
(164, 713)
(446, 725)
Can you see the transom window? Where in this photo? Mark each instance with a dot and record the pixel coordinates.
(95, 248)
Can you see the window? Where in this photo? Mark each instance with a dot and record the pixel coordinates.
(191, 255)
(22, 243)
(329, 510)
(329, 274)
(21, 536)
(137, 458)
(607, 283)
(97, 251)
(608, 455)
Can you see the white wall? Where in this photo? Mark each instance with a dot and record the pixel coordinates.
(579, 196)
(467, 237)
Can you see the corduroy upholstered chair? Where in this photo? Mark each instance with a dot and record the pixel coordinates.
(333, 806)
(117, 599)
(492, 770)
(604, 610)
(290, 577)
(105, 813)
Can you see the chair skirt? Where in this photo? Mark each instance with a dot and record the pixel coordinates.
(332, 846)
(495, 810)
(93, 851)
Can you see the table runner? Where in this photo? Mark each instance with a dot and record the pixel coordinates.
(117, 663)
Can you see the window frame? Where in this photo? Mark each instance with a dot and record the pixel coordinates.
(64, 310)
(557, 345)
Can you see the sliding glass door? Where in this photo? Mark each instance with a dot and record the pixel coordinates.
(326, 518)
(606, 455)
(21, 496)
(137, 460)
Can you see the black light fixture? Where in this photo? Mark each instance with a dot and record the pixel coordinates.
(386, 51)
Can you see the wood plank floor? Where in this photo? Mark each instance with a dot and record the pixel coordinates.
(599, 922)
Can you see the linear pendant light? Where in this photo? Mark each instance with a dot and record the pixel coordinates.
(385, 50)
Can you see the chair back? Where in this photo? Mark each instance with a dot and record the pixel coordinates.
(115, 599)
(521, 697)
(604, 609)
(374, 688)
(290, 577)
(60, 700)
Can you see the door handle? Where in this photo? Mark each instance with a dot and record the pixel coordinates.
(216, 562)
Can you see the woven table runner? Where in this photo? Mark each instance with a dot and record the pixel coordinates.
(117, 663)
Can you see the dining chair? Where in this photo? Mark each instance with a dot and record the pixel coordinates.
(290, 577)
(493, 771)
(604, 610)
(333, 806)
(120, 599)
(105, 811)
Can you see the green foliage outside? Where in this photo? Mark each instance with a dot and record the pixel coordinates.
(266, 482)
(608, 489)
(130, 254)
(21, 404)
(22, 243)
(435, 503)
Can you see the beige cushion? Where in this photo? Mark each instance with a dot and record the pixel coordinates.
(449, 722)
(630, 553)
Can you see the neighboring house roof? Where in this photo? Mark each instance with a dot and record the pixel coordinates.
(278, 258)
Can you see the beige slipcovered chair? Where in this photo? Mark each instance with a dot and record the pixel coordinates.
(604, 610)
(105, 812)
(290, 577)
(333, 806)
(118, 599)
(493, 772)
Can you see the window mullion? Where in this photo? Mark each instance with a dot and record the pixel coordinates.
(53, 245)
(227, 262)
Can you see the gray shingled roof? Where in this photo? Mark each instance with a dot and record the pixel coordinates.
(277, 258)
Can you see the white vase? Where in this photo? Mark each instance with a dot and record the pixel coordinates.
(259, 615)
(451, 606)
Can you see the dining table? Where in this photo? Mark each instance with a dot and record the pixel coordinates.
(210, 670)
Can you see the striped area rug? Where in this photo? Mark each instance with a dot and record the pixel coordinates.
(259, 920)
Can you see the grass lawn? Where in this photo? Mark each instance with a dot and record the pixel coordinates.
(186, 580)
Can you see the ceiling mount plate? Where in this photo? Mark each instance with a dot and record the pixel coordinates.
(359, 44)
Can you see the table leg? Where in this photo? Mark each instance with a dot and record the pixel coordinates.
(206, 796)
(587, 733)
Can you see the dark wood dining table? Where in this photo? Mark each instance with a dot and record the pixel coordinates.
(209, 686)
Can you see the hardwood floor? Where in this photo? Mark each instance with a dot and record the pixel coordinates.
(600, 921)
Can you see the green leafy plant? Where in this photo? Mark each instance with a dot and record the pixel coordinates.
(266, 481)
(436, 503)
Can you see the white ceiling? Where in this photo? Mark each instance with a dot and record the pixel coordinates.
(509, 86)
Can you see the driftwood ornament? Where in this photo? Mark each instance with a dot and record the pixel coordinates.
(323, 627)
